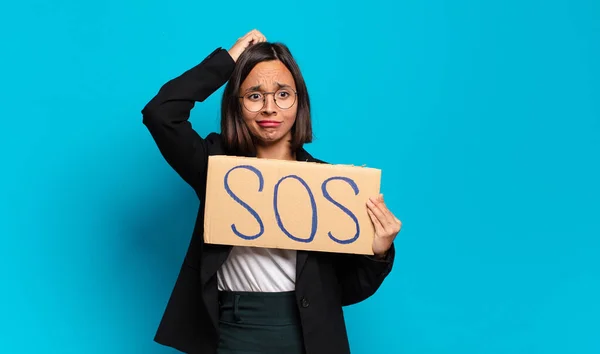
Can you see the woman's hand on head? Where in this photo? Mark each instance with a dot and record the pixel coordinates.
(387, 226)
(244, 42)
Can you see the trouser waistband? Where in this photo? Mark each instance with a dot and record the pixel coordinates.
(259, 308)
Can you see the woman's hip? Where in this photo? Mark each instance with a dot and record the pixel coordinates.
(259, 323)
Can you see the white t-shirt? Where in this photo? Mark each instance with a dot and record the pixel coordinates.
(257, 269)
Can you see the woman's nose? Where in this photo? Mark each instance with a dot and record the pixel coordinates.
(269, 106)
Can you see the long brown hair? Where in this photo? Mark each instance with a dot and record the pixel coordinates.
(237, 137)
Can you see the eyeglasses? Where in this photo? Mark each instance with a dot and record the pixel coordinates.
(255, 101)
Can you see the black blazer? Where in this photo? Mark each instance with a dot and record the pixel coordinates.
(324, 281)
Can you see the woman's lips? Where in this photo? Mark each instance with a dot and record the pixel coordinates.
(268, 123)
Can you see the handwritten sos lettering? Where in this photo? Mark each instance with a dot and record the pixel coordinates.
(313, 204)
(293, 205)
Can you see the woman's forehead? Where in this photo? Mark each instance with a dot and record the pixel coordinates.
(269, 75)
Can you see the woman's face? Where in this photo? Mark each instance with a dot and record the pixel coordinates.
(269, 82)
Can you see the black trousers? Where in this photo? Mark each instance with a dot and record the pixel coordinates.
(259, 323)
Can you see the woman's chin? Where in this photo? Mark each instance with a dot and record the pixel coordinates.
(270, 137)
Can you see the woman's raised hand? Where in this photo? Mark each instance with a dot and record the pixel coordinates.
(244, 42)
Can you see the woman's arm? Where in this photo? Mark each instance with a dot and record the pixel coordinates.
(167, 115)
(361, 276)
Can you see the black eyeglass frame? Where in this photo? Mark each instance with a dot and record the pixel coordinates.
(274, 99)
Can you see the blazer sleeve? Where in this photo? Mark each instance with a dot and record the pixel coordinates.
(360, 276)
(167, 116)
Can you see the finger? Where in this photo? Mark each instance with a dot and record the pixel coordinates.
(259, 36)
(379, 229)
(384, 209)
(255, 39)
(379, 208)
(246, 36)
(381, 204)
(256, 34)
(241, 42)
(250, 35)
(386, 219)
(377, 212)
(248, 41)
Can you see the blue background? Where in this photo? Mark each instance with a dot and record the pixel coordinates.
(484, 117)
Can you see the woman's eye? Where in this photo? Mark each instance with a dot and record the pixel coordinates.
(284, 94)
(254, 96)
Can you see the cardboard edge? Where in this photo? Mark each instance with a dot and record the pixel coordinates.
(270, 161)
(207, 200)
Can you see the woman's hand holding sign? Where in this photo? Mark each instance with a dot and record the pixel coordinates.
(387, 226)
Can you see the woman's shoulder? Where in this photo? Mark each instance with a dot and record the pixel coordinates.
(303, 155)
(214, 144)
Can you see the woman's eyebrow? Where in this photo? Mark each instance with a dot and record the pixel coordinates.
(253, 88)
(258, 87)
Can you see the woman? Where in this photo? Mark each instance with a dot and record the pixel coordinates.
(255, 300)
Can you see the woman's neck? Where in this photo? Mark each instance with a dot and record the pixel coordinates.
(279, 151)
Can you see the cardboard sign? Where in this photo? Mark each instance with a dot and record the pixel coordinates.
(289, 205)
